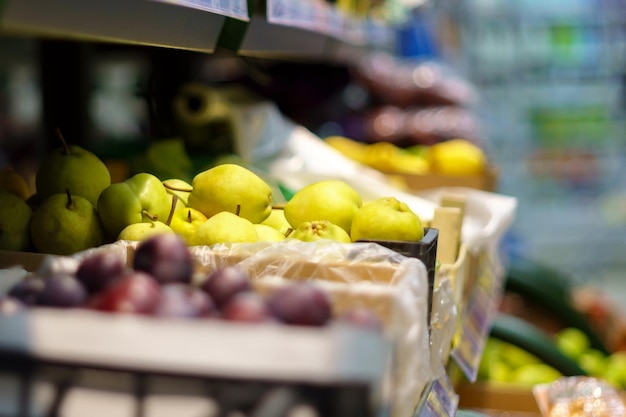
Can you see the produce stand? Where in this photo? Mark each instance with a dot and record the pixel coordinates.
(436, 391)
(136, 366)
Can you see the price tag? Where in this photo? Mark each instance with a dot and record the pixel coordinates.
(237, 9)
(480, 311)
(441, 400)
(285, 12)
(377, 33)
(336, 23)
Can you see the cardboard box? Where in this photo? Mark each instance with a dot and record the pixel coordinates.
(501, 399)
(30, 261)
(360, 274)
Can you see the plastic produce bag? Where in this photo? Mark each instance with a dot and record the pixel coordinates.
(579, 397)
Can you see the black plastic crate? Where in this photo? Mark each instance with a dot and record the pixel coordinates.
(425, 250)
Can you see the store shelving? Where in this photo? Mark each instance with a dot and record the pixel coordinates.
(246, 28)
(274, 29)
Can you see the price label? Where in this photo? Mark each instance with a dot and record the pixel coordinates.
(441, 400)
(237, 9)
(336, 23)
(304, 14)
(480, 311)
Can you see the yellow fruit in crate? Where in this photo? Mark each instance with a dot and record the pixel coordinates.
(14, 183)
(348, 147)
(332, 200)
(277, 221)
(268, 233)
(320, 229)
(406, 163)
(232, 188)
(456, 157)
(178, 187)
(186, 221)
(381, 156)
(386, 218)
(142, 231)
(225, 227)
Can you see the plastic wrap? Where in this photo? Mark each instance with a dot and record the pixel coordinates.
(356, 274)
(579, 397)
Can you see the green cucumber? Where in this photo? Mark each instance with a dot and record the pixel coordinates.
(550, 289)
(526, 336)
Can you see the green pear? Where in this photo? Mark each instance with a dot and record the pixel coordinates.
(65, 224)
(74, 168)
(15, 216)
(185, 220)
(386, 218)
(142, 231)
(141, 198)
(268, 234)
(179, 188)
(277, 221)
(332, 200)
(320, 229)
(225, 227)
(231, 187)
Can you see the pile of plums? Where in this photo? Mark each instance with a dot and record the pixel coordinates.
(159, 283)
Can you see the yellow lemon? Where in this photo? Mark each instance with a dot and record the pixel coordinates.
(456, 157)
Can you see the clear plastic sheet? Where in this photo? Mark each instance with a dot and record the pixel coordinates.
(355, 274)
(579, 397)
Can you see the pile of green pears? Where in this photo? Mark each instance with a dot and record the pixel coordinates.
(77, 207)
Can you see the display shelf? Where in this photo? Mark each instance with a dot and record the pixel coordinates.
(277, 29)
(310, 365)
(140, 22)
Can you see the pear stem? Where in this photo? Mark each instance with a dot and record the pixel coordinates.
(278, 206)
(172, 209)
(288, 232)
(152, 217)
(189, 216)
(66, 148)
(238, 209)
(70, 201)
(171, 187)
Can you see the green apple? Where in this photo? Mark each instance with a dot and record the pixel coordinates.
(572, 342)
(499, 371)
(140, 198)
(593, 361)
(142, 231)
(15, 216)
(179, 188)
(332, 200)
(74, 168)
(268, 234)
(516, 356)
(320, 229)
(225, 227)
(386, 218)
(534, 374)
(232, 188)
(65, 224)
(615, 369)
(277, 221)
